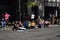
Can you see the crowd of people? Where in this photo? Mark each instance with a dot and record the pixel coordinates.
(4, 20)
(27, 24)
(19, 25)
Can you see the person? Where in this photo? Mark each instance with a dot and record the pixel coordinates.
(21, 27)
(50, 18)
(47, 23)
(32, 17)
(3, 24)
(39, 23)
(42, 23)
(7, 15)
(25, 24)
(33, 24)
(29, 24)
(15, 26)
(54, 19)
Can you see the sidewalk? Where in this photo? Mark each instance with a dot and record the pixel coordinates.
(10, 27)
(54, 25)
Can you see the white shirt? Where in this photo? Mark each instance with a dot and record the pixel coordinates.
(32, 16)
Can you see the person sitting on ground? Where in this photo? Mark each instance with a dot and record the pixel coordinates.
(25, 24)
(47, 23)
(16, 25)
(29, 24)
(33, 24)
(41, 23)
(21, 27)
(20, 24)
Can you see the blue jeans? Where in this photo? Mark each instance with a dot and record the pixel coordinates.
(3, 26)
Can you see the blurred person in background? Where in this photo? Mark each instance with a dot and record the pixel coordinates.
(15, 26)
(42, 23)
(33, 24)
(25, 24)
(29, 24)
(3, 24)
(39, 23)
(7, 15)
(46, 23)
(32, 17)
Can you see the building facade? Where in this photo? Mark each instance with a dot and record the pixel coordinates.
(17, 8)
(47, 7)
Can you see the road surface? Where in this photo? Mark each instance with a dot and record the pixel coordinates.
(52, 33)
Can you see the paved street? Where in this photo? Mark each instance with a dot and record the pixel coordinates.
(51, 33)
